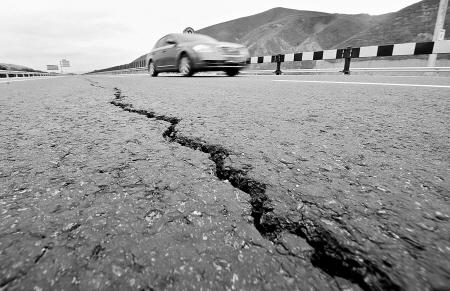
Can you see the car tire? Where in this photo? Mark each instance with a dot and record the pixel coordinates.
(185, 66)
(152, 69)
(232, 72)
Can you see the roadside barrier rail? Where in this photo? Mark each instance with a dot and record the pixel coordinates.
(21, 74)
(402, 49)
(335, 70)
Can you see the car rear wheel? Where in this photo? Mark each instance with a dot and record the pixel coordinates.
(152, 69)
(232, 72)
(185, 66)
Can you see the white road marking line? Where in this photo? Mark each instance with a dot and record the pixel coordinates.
(364, 83)
(9, 80)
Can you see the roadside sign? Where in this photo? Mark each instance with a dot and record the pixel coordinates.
(65, 63)
(188, 30)
(52, 67)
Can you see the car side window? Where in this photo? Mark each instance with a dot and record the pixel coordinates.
(161, 42)
(169, 40)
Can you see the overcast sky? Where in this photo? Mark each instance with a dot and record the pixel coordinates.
(95, 34)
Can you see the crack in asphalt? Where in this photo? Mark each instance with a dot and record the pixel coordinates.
(329, 254)
(218, 155)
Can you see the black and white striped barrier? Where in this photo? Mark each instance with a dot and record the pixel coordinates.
(403, 49)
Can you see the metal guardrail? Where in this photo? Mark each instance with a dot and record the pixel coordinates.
(121, 71)
(335, 70)
(21, 74)
(402, 49)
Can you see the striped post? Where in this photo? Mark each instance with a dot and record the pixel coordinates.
(278, 60)
(348, 58)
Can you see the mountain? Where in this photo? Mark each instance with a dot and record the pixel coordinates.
(13, 67)
(414, 23)
(281, 30)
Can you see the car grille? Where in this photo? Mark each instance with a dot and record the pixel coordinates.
(229, 50)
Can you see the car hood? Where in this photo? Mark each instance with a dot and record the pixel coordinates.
(217, 44)
(229, 44)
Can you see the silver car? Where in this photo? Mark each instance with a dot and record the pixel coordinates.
(189, 53)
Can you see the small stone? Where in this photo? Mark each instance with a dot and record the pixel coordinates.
(440, 215)
(71, 226)
(426, 227)
(132, 282)
(290, 280)
(117, 270)
(241, 257)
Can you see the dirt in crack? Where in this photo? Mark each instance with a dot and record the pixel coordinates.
(329, 255)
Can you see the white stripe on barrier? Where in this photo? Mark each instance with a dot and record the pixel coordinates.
(307, 56)
(368, 51)
(404, 49)
(329, 54)
(441, 47)
(289, 58)
(267, 59)
(254, 60)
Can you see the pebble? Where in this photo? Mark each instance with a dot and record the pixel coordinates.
(117, 270)
(440, 215)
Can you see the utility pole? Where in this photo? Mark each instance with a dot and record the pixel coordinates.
(440, 19)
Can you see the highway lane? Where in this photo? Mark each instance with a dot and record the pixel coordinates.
(345, 181)
(364, 164)
(95, 198)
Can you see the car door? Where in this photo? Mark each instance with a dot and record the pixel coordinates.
(157, 54)
(170, 52)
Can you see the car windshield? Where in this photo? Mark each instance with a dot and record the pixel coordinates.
(189, 37)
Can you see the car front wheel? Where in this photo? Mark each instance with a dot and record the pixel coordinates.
(185, 66)
(152, 69)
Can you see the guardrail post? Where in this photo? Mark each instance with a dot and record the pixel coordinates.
(278, 60)
(348, 57)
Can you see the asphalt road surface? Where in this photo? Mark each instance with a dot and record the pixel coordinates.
(218, 183)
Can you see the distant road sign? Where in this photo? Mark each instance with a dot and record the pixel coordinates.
(65, 63)
(52, 67)
(188, 30)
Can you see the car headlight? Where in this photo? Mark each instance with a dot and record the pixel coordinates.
(203, 48)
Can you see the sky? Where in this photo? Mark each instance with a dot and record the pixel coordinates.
(95, 34)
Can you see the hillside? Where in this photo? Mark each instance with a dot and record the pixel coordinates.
(13, 67)
(282, 30)
(414, 23)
